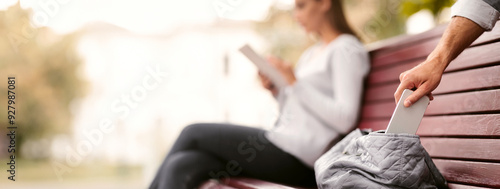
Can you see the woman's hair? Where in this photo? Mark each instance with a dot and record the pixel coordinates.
(337, 19)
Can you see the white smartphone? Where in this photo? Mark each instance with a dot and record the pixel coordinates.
(407, 119)
(264, 66)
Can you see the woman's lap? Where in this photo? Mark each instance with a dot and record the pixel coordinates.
(240, 151)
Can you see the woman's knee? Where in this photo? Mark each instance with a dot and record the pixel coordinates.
(189, 138)
(192, 129)
(200, 131)
(191, 167)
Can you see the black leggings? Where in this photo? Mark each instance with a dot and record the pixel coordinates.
(215, 151)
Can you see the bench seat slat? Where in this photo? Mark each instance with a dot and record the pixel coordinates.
(215, 185)
(463, 148)
(473, 173)
(460, 186)
(211, 184)
(249, 183)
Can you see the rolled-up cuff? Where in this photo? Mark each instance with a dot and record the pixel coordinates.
(477, 11)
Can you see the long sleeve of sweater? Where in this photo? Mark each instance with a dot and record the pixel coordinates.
(348, 65)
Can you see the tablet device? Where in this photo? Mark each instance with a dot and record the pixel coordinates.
(407, 119)
(264, 66)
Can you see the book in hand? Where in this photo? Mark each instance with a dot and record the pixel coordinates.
(264, 67)
(407, 119)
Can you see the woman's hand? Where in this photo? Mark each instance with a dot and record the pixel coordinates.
(285, 69)
(267, 84)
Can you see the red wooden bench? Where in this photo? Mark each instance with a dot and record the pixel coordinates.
(461, 127)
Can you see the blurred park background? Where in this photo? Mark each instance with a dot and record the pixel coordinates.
(104, 87)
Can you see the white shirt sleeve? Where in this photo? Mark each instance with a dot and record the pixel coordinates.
(285, 91)
(478, 11)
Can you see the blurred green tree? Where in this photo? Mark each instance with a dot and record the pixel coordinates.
(391, 16)
(385, 20)
(410, 7)
(46, 67)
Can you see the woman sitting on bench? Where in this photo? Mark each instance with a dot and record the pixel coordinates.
(320, 104)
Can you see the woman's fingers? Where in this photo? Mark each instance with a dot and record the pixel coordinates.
(285, 69)
(266, 83)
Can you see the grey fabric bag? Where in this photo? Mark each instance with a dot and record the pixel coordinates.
(377, 160)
